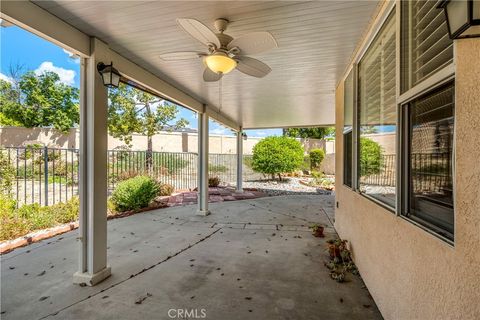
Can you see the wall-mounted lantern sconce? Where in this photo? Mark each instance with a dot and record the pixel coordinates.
(110, 75)
(244, 135)
(463, 18)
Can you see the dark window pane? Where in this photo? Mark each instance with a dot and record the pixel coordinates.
(431, 160)
(347, 159)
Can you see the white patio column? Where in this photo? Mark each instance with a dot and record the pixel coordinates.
(240, 160)
(203, 164)
(93, 170)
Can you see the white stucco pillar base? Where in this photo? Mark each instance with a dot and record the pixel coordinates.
(203, 165)
(240, 161)
(91, 279)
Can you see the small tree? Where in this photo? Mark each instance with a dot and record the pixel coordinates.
(316, 158)
(39, 101)
(371, 157)
(276, 155)
(309, 133)
(134, 111)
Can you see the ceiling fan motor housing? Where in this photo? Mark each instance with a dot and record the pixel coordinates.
(221, 24)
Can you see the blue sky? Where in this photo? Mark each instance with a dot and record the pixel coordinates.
(21, 48)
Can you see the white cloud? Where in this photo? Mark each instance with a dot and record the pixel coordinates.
(260, 133)
(66, 76)
(5, 78)
(72, 56)
(68, 52)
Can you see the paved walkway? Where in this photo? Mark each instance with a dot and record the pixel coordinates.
(214, 195)
(250, 259)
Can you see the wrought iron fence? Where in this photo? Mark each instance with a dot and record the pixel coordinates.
(42, 175)
(430, 172)
(50, 175)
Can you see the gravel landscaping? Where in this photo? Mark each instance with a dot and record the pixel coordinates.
(288, 186)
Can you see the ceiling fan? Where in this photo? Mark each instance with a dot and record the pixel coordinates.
(224, 52)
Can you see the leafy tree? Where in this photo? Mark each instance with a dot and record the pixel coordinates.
(316, 158)
(371, 157)
(39, 101)
(276, 155)
(134, 111)
(309, 133)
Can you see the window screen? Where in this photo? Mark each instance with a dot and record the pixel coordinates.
(378, 117)
(426, 45)
(430, 161)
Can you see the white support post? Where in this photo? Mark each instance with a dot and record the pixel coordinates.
(93, 170)
(203, 164)
(240, 160)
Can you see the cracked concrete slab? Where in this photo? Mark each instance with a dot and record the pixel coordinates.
(194, 263)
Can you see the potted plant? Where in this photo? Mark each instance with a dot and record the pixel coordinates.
(317, 231)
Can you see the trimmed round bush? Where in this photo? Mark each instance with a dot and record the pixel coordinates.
(316, 158)
(165, 189)
(371, 157)
(134, 193)
(213, 182)
(276, 155)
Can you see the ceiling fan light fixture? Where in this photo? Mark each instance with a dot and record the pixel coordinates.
(220, 63)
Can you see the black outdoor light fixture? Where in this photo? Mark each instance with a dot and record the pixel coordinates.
(244, 135)
(463, 18)
(110, 75)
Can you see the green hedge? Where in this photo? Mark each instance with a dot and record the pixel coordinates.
(134, 193)
(316, 158)
(18, 222)
(275, 155)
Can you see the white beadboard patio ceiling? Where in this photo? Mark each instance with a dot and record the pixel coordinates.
(316, 40)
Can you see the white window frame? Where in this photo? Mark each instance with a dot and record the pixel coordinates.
(436, 80)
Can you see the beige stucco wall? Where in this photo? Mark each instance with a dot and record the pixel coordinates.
(410, 273)
(19, 136)
(164, 141)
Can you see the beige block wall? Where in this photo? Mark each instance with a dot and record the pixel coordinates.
(164, 141)
(410, 273)
(19, 136)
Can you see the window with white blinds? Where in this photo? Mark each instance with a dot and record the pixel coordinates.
(348, 105)
(426, 46)
(378, 116)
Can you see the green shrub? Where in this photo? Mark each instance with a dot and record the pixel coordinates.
(371, 157)
(134, 193)
(213, 182)
(36, 217)
(165, 189)
(316, 158)
(7, 174)
(306, 165)
(64, 212)
(31, 217)
(275, 155)
(28, 152)
(217, 168)
(247, 161)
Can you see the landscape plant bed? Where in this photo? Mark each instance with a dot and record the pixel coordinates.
(7, 246)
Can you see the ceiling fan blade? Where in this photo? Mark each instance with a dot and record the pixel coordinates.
(210, 76)
(252, 67)
(254, 43)
(181, 55)
(199, 31)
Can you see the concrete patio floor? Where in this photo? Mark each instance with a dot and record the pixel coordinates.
(250, 259)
